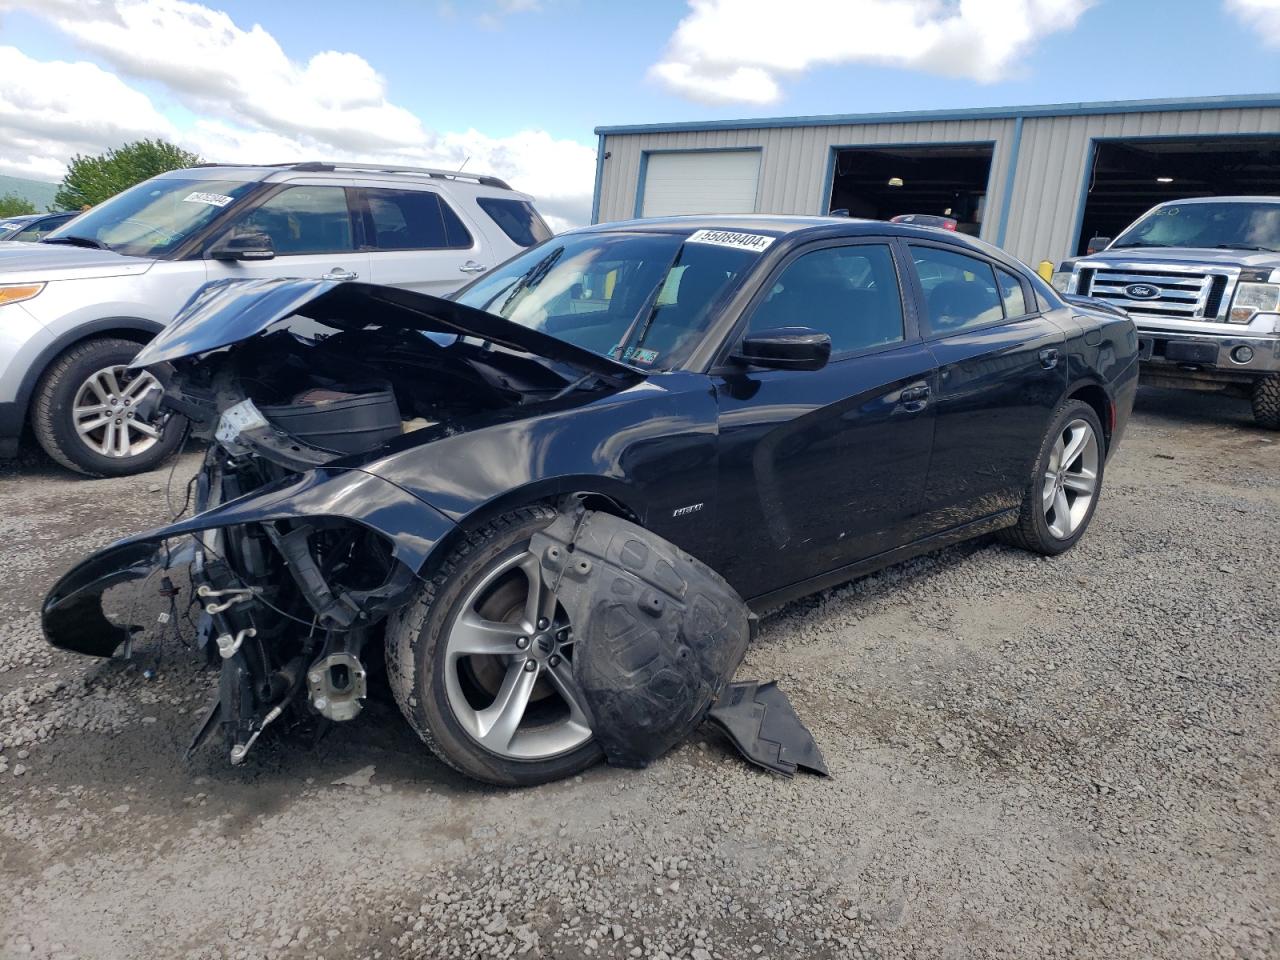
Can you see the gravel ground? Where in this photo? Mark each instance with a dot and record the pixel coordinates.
(1031, 758)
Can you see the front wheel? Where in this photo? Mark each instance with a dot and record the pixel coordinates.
(1266, 402)
(84, 414)
(1065, 483)
(481, 663)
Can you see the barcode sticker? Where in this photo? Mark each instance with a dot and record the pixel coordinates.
(213, 199)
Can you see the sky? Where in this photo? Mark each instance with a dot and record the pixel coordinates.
(516, 87)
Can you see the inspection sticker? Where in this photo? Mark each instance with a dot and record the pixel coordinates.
(724, 238)
(213, 199)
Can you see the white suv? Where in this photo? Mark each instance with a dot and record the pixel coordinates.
(76, 306)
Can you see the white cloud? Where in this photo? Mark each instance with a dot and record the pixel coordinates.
(53, 109)
(738, 51)
(1262, 16)
(254, 103)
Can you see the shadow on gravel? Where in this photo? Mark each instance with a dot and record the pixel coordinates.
(1188, 406)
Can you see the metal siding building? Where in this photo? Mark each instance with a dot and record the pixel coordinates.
(1042, 158)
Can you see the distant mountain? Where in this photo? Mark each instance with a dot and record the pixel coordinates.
(37, 192)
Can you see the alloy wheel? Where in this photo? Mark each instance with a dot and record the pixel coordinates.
(509, 665)
(105, 417)
(1071, 479)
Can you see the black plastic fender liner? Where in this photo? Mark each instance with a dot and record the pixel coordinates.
(657, 634)
(760, 721)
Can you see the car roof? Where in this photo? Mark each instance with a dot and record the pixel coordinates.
(24, 217)
(343, 172)
(797, 229)
(1220, 200)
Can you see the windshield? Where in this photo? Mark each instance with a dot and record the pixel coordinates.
(1234, 225)
(153, 218)
(644, 299)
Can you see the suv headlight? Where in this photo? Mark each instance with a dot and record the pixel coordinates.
(17, 292)
(1252, 299)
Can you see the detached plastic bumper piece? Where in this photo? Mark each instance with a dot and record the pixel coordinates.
(763, 725)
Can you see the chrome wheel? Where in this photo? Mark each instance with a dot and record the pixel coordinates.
(104, 415)
(509, 665)
(1071, 479)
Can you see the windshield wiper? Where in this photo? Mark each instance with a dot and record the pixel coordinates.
(74, 241)
(1243, 246)
(1123, 246)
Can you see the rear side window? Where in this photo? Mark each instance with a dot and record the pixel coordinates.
(1015, 304)
(414, 220)
(517, 219)
(959, 291)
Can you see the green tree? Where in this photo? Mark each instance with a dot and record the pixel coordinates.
(90, 180)
(12, 205)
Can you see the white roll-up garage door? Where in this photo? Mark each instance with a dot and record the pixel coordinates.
(721, 181)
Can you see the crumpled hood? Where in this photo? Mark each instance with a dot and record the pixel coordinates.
(42, 262)
(1189, 256)
(228, 311)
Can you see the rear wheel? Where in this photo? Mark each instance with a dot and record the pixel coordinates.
(84, 415)
(1065, 483)
(481, 663)
(1266, 402)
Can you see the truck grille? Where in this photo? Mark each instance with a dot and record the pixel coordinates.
(1181, 294)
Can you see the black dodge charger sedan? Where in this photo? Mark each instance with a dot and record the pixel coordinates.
(567, 485)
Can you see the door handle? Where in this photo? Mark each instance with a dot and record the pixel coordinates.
(337, 273)
(918, 394)
(1049, 357)
(472, 267)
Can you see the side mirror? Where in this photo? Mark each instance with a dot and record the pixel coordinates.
(1097, 245)
(785, 348)
(243, 246)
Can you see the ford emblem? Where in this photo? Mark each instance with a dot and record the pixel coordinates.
(1141, 291)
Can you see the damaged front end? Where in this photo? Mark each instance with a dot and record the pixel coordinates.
(290, 584)
(299, 548)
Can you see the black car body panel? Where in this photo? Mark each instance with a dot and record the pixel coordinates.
(782, 481)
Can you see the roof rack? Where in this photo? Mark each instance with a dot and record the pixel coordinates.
(315, 166)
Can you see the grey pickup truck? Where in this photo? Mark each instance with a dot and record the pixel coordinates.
(1201, 280)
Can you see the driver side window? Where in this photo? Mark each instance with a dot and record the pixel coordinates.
(301, 220)
(849, 293)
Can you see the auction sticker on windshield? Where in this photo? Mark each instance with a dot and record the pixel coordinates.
(739, 241)
(213, 199)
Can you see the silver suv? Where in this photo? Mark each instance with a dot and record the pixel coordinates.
(76, 306)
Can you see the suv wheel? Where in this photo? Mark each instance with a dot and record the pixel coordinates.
(1266, 402)
(82, 412)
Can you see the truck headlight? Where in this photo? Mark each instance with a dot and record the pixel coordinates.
(1061, 280)
(1252, 299)
(17, 292)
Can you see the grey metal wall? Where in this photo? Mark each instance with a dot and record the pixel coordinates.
(1057, 152)
(1052, 155)
(793, 165)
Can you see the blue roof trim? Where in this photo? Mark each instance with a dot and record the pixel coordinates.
(1233, 102)
(595, 193)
